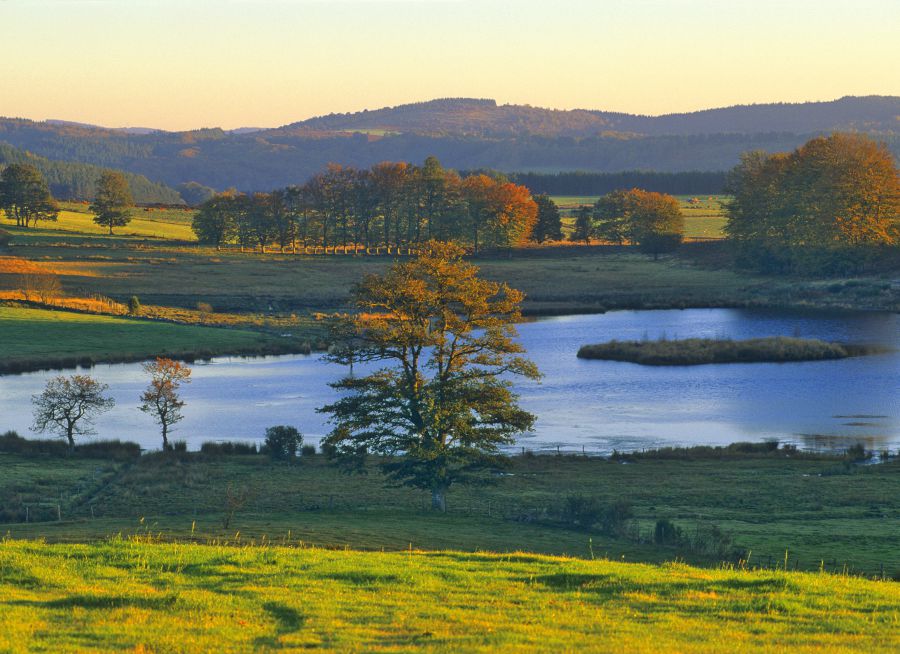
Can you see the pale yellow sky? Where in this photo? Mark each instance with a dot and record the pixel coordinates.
(231, 63)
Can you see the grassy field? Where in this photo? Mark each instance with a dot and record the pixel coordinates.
(704, 216)
(825, 512)
(32, 338)
(149, 597)
(169, 224)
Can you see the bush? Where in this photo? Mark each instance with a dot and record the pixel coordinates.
(179, 446)
(308, 450)
(227, 448)
(134, 305)
(666, 533)
(581, 511)
(282, 442)
(616, 518)
(857, 452)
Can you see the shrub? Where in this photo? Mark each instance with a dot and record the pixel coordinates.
(227, 448)
(308, 450)
(134, 305)
(115, 450)
(581, 511)
(616, 518)
(666, 533)
(282, 442)
(179, 446)
(857, 452)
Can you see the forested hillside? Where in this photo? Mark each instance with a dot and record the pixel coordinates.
(463, 134)
(77, 181)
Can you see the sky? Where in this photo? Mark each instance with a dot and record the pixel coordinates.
(185, 64)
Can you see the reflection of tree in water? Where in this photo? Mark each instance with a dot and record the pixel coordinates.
(831, 443)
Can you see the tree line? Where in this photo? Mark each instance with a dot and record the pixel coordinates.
(390, 204)
(582, 182)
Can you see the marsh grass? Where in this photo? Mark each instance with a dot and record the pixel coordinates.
(699, 351)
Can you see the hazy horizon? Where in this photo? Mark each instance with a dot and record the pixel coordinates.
(263, 63)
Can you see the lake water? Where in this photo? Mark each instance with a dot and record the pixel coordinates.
(597, 406)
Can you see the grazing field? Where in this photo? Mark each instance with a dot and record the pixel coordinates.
(35, 338)
(169, 224)
(144, 596)
(704, 216)
(824, 511)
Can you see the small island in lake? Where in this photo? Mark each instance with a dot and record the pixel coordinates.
(699, 351)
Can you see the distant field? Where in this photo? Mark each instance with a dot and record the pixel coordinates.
(153, 223)
(704, 218)
(35, 336)
(146, 597)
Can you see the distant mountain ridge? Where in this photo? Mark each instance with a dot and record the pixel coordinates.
(465, 116)
(463, 133)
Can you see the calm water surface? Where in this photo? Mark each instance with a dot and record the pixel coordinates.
(595, 405)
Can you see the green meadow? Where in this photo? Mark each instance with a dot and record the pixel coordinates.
(146, 597)
(33, 338)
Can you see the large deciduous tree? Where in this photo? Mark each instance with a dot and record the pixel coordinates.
(25, 196)
(112, 201)
(68, 405)
(161, 399)
(438, 404)
(820, 205)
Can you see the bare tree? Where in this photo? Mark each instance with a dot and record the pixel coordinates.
(44, 287)
(235, 500)
(68, 405)
(161, 398)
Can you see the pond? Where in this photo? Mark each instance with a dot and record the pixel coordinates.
(595, 406)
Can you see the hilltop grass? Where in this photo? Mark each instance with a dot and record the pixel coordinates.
(144, 596)
(33, 339)
(700, 351)
(825, 511)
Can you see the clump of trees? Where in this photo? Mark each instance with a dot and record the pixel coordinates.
(440, 406)
(652, 221)
(831, 204)
(25, 196)
(390, 204)
(283, 442)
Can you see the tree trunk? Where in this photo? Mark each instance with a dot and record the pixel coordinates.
(165, 434)
(439, 498)
(70, 429)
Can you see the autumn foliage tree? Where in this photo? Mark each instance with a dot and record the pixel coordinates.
(438, 402)
(161, 399)
(652, 221)
(391, 204)
(827, 204)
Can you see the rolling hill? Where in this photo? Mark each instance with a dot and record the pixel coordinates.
(462, 133)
